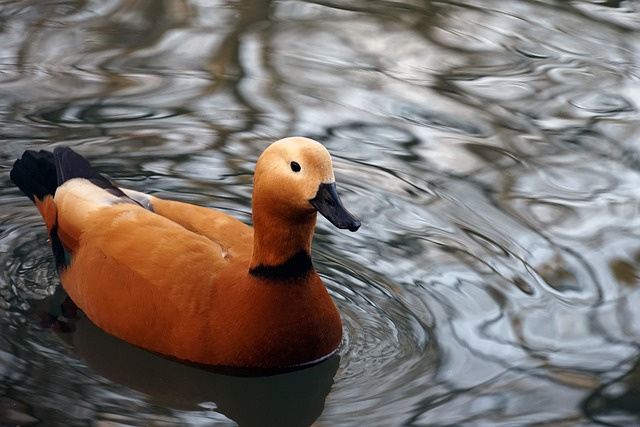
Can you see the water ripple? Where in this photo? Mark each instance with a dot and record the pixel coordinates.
(490, 149)
(383, 333)
(102, 114)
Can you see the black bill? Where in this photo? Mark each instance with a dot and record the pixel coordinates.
(328, 203)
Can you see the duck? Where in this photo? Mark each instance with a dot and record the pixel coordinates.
(189, 282)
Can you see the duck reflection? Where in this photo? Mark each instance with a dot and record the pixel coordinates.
(249, 397)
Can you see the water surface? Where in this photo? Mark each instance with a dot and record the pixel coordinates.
(490, 148)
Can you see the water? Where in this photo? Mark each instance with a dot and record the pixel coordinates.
(490, 148)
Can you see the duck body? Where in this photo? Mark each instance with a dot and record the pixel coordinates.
(189, 282)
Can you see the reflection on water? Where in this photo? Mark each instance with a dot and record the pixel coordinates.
(289, 399)
(491, 148)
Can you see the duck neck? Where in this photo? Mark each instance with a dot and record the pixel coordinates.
(282, 249)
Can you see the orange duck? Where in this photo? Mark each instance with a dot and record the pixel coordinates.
(189, 282)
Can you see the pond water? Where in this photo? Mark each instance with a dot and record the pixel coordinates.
(491, 149)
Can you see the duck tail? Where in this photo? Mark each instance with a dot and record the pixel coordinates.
(35, 174)
(39, 173)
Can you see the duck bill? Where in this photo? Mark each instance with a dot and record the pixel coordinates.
(328, 203)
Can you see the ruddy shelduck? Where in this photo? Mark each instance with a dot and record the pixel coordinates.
(190, 282)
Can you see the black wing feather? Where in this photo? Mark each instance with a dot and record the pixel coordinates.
(70, 165)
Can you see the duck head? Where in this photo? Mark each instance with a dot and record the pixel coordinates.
(296, 174)
(293, 181)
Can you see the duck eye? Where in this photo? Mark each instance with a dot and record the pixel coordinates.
(295, 167)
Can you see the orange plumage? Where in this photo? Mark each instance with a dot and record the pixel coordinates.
(190, 282)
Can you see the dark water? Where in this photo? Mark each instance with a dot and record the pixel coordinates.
(490, 147)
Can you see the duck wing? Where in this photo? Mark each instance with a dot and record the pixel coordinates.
(115, 255)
